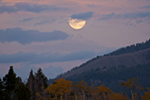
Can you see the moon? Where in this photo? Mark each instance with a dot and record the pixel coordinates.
(77, 23)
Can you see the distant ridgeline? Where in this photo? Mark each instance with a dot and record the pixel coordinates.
(115, 67)
(131, 49)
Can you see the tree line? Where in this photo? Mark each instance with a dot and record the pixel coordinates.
(36, 88)
(131, 48)
(12, 87)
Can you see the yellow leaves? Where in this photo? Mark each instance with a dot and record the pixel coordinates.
(117, 96)
(83, 86)
(63, 89)
(60, 87)
(52, 89)
(38, 96)
(64, 85)
(103, 89)
(146, 95)
(82, 90)
(129, 83)
(132, 83)
(104, 93)
(101, 92)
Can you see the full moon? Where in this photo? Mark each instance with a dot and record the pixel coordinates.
(76, 23)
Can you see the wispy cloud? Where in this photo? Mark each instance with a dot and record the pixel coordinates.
(29, 36)
(134, 18)
(33, 58)
(26, 19)
(146, 7)
(92, 5)
(36, 8)
(126, 15)
(82, 16)
(44, 22)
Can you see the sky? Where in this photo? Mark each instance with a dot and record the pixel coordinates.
(36, 33)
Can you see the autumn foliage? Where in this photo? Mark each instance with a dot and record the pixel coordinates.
(63, 89)
(36, 88)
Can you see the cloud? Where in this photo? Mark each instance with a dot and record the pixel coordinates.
(92, 5)
(26, 19)
(134, 18)
(126, 15)
(44, 22)
(49, 72)
(82, 16)
(33, 58)
(29, 7)
(137, 15)
(29, 36)
(109, 16)
(146, 7)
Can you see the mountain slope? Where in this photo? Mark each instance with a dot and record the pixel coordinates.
(128, 56)
(114, 68)
(128, 59)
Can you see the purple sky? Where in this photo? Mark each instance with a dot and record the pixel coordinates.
(36, 33)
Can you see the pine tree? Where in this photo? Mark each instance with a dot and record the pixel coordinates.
(32, 85)
(10, 82)
(1, 90)
(41, 82)
(41, 77)
(23, 93)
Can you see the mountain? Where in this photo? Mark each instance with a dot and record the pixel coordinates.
(129, 56)
(115, 67)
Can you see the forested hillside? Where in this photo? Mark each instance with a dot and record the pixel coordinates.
(113, 76)
(128, 59)
(114, 68)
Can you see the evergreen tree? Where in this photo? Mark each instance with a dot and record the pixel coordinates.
(1, 89)
(10, 82)
(41, 77)
(41, 82)
(23, 93)
(32, 85)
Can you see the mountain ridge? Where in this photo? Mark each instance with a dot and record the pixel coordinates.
(113, 68)
(128, 56)
(129, 59)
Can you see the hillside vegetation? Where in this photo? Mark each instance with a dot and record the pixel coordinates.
(114, 68)
(36, 88)
(128, 56)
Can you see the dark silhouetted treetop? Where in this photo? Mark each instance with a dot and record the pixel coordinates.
(32, 85)
(10, 80)
(41, 77)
